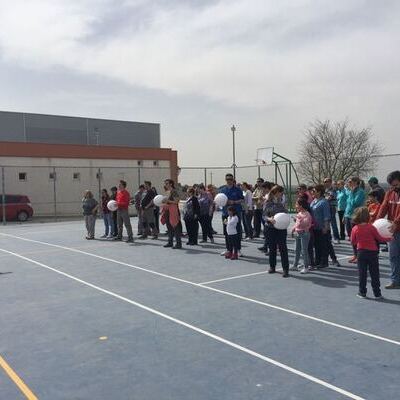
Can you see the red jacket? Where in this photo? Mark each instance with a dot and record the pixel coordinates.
(366, 237)
(123, 199)
(391, 207)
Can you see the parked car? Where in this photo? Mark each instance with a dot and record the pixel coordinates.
(17, 207)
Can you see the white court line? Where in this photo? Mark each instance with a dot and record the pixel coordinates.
(198, 330)
(212, 289)
(233, 277)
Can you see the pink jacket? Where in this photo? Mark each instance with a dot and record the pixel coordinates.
(303, 222)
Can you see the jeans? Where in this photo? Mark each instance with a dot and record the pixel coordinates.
(238, 230)
(394, 258)
(108, 224)
(257, 222)
(302, 240)
(148, 222)
(206, 228)
(174, 232)
(233, 243)
(368, 260)
(247, 217)
(277, 239)
(124, 219)
(90, 222)
(335, 230)
(321, 247)
(341, 225)
(192, 229)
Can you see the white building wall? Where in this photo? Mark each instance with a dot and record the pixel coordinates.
(66, 192)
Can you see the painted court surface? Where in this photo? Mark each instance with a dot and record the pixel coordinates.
(107, 320)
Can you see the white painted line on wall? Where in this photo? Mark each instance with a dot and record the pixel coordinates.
(212, 289)
(197, 329)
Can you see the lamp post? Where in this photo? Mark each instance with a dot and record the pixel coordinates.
(233, 129)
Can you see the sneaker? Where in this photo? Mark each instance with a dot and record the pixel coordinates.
(271, 271)
(168, 245)
(353, 260)
(203, 241)
(177, 246)
(117, 238)
(380, 297)
(155, 237)
(228, 254)
(130, 240)
(336, 263)
(304, 270)
(294, 268)
(234, 256)
(262, 248)
(361, 295)
(142, 237)
(285, 274)
(392, 286)
(103, 237)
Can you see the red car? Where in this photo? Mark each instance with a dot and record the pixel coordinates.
(17, 207)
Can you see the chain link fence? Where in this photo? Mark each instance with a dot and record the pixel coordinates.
(56, 192)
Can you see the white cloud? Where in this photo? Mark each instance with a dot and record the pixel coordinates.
(237, 52)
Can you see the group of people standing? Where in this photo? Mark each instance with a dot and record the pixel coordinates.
(325, 213)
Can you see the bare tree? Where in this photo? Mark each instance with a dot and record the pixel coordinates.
(335, 150)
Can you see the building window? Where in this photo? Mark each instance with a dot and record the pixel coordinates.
(52, 176)
(155, 163)
(22, 176)
(76, 176)
(140, 163)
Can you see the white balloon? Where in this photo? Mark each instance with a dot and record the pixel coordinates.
(112, 205)
(383, 225)
(158, 200)
(220, 200)
(282, 221)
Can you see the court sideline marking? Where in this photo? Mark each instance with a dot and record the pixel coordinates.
(195, 329)
(17, 380)
(210, 288)
(233, 277)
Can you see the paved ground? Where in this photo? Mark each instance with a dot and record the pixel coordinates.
(108, 320)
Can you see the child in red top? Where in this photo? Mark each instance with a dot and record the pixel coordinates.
(373, 206)
(366, 238)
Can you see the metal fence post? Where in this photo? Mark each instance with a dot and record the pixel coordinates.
(55, 193)
(205, 176)
(139, 177)
(3, 194)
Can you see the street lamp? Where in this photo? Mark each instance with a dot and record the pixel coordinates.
(233, 129)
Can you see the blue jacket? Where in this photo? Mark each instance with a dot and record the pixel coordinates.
(233, 193)
(342, 199)
(355, 198)
(320, 210)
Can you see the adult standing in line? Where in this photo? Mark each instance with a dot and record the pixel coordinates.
(247, 213)
(320, 212)
(113, 196)
(391, 208)
(258, 201)
(276, 237)
(90, 207)
(147, 211)
(266, 188)
(341, 196)
(211, 190)
(206, 209)
(331, 196)
(156, 212)
(171, 215)
(375, 187)
(191, 217)
(137, 198)
(355, 199)
(123, 200)
(235, 198)
(107, 217)
(303, 193)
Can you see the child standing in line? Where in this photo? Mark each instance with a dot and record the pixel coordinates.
(365, 237)
(301, 230)
(233, 242)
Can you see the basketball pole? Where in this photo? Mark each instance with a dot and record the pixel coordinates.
(233, 129)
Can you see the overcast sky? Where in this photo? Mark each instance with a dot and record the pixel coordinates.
(196, 67)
